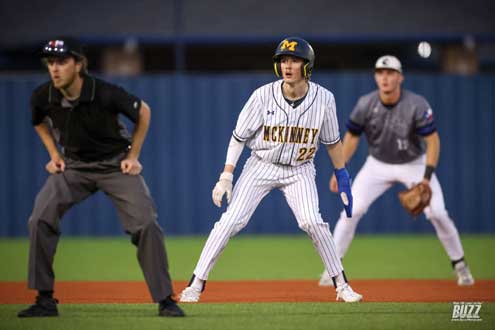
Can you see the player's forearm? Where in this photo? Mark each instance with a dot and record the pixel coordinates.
(432, 149)
(336, 155)
(140, 131)
(47, 139)
(350, 145)
(234, 151)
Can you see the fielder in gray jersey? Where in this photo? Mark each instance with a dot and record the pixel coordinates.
(282, 123)
(397, 124)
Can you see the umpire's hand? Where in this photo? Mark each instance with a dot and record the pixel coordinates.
(55, 165)
(131, 166)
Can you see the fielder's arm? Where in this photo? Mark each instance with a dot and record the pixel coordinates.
(432, 149)
(350, 145)
(432, 155)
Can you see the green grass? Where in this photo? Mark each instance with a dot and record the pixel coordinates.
(256, 257)
(271, 316)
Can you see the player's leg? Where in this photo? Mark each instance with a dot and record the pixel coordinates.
(59, 193)
(253, 184)
(301, 194)
(371, 182)
(137, 213)
(444, 226)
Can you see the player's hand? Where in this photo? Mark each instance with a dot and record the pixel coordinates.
(344, 187)
(333, 184)
(55, 165)
(131, 166)
(224, 185)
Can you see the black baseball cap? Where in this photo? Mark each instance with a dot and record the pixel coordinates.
(63, 47)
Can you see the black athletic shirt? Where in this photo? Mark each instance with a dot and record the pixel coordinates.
(89, 129)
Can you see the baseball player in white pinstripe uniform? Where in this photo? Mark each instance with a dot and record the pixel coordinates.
(282, 123)
(398, 124)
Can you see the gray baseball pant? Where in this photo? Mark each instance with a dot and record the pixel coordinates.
(135, 207)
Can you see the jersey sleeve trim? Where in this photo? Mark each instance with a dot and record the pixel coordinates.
(427, 129)
(238, 138)
(354, 128)
(331, 142)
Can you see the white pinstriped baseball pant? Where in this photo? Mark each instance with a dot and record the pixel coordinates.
(258, 178)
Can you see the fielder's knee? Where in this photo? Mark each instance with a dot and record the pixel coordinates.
(437, 215)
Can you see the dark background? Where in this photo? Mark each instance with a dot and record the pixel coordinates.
(222, 35)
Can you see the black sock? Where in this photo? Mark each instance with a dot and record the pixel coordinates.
(167, 301)
(334, 279)
(455, 262)
(46, 294)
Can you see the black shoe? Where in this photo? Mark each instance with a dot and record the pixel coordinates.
(43, 307)
(169, 307)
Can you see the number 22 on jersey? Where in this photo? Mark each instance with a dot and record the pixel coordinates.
(306, 153)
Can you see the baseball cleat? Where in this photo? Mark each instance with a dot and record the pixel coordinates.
(169, 307)
(190, 294)
(345, 293)
(325, 279)
(43, 307)
(464, 277)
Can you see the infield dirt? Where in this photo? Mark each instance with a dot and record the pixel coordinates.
(259, 291)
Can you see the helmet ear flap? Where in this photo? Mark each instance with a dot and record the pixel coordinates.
(277, 68)
(306, 70)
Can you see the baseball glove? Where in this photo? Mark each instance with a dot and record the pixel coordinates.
(415, 199)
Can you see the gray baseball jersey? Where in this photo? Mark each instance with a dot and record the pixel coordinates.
(280, 134)
(393, 132)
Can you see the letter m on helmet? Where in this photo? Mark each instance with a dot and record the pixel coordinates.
(288, 45)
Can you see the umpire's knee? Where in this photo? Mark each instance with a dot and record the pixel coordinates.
(150, 228)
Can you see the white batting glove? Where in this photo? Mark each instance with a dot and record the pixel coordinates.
(224, 185)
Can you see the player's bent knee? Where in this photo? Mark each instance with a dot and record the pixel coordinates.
(438, 215)
(149, 229)
(33, 222)
(229, 225)
(310, 226)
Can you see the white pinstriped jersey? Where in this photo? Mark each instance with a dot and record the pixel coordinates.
(280, 134)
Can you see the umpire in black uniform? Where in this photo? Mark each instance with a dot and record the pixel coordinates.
(80, 114)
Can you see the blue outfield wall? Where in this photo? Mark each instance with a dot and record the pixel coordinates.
(192, 120)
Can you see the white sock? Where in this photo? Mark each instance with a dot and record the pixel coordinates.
(340, 280)
(197, 283)
(460, 265)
